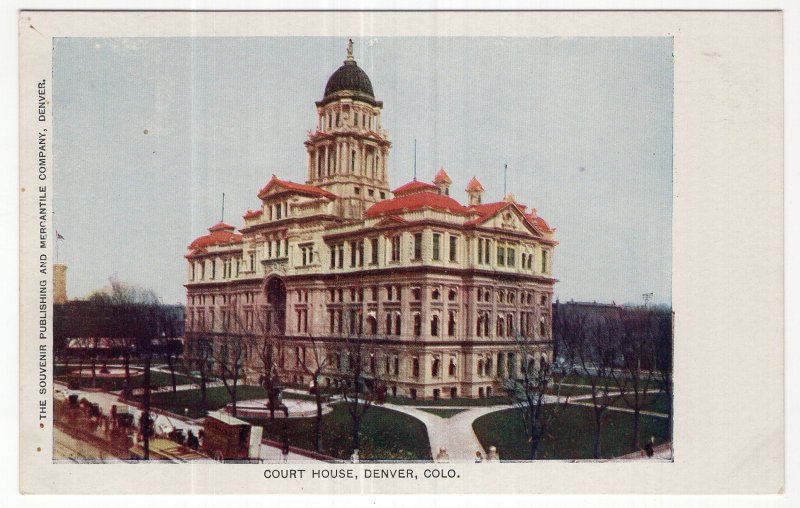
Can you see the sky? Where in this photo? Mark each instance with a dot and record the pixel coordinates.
(150, 132)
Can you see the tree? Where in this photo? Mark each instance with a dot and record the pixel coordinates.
(360, 384)
(320, 360)
(198, 364)
(230, 351)
(663, 357)
(591, 348)
(266, 340)
(636, 329)
(528, 391)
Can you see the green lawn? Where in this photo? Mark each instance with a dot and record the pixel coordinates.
(569, 390)
(385, 434)
(570, 435)
(157, 379)
(491, 401)
(217, 397)
(652, 402)
(442, 412)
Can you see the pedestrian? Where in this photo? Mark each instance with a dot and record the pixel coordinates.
(285, 452)
(354, 457)
(648, 448)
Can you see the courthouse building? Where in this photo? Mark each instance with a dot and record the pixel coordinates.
(438, 290)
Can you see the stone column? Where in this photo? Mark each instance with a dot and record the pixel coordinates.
(325, 163)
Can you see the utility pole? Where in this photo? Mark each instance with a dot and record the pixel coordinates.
(415, 160)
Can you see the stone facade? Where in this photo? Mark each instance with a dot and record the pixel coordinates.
(435, 289)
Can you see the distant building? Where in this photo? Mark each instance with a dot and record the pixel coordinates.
(440, 287)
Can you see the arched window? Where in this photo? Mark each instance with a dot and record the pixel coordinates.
(451, 295)
(435, 368)
(451, 369)
(486, 324)
(480, 367)
(479, 326)
(500, 327)
(389, 324)
(500, 364)
(435, 325)
(417, 324)
(451, 324)
(373, 325)
(353, 162)
(397, 323)
(488, 366)
(542, 329)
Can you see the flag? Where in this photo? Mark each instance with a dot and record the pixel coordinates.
(58, 236)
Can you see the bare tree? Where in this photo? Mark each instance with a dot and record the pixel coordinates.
(266, 340)
(591, 349)
(663, 358)
(230, 353)
(527, 392)
(637, 328)
(360, 382)
(197, 364)
(320, 363)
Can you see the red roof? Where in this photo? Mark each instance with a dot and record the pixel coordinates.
(414, 186)
(221, 226)
(252, 214)
(220, 234)
(474, 186)
(442, 177)
(298, 187)
(409, 202)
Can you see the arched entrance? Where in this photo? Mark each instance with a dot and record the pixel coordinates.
(275, 291)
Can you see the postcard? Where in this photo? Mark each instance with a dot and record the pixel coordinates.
(450, 252)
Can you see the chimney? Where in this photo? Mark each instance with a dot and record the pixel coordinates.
(442, 181)
(59, 283)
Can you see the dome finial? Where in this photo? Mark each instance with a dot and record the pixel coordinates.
(350, 50)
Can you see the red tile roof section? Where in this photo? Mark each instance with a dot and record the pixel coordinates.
(414, 186)
(410, 202)
(474, 185)
(442, 177)
(299, 187)
(253, 214)
(220, 234)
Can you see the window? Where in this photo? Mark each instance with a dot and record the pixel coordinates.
(417, 324)
(278, 211)
(361, 253)
(480, 251)
(395, 248)
(435, 368)
(333, 255)
(437, 238)
(435, 326)
(417, 246)
(511, 260)
(435, 294)
(451, 295)
(353, 254)
(371, 193)
(415, 369)
(544, 261)
(501, 256)
(383, 195)
(374, 251)
(388, 330)
(416, 293)
(213, 268)
(451, 369)
(453, 248)
(341, 255)
(480, 369)
(451, 324)
(487, 247)
(529, 266)
(396, 365)
(397, 323)
(353, 161)
(357, 191)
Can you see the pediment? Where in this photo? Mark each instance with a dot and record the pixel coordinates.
(510, 218)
